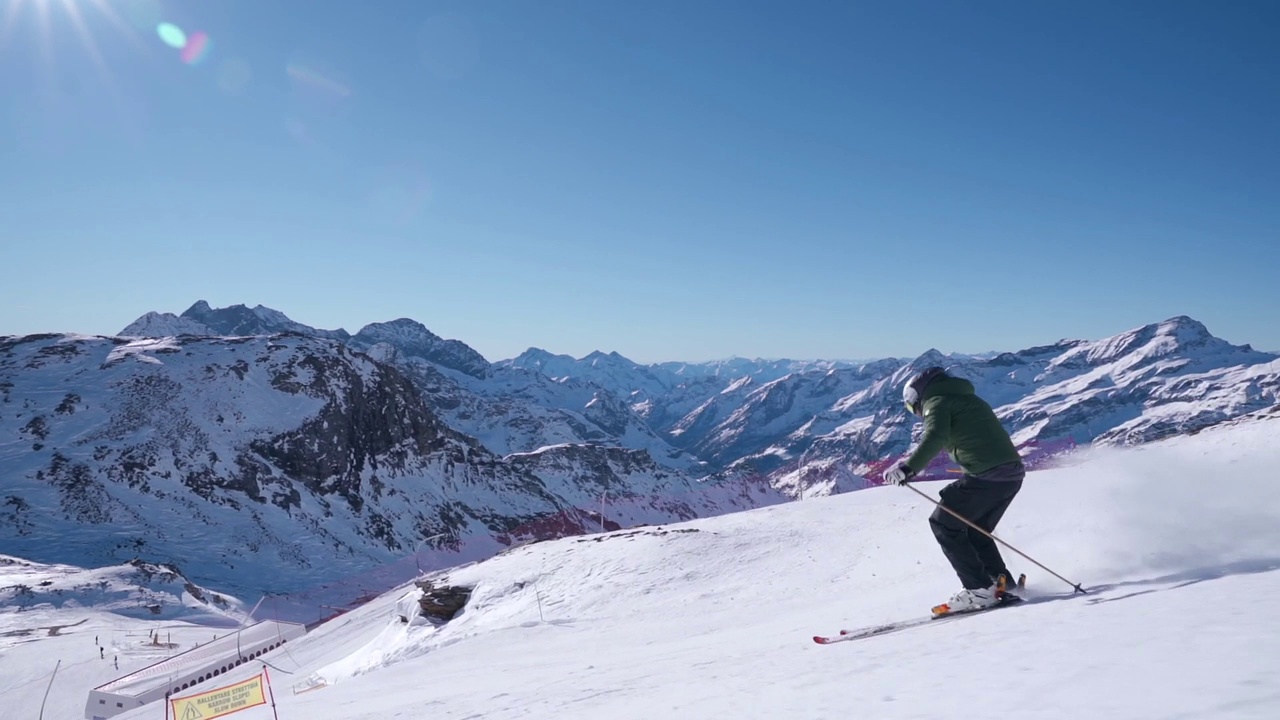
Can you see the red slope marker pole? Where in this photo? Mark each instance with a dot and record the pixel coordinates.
(272, 692)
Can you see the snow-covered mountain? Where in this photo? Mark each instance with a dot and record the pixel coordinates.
(695, 619)
(1153, 381)
(746, 418)
(270, 463)
(133, 589)
(663, 393)
(413, 339)
(1160, 379)
(155, 325)
(508, 409)
(789, 419)
(624, 376)
(316, 457)
(234, 321)
(807, 428)
(621, 376)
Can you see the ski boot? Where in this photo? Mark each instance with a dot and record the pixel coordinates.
(1003, 587)
(968, 601)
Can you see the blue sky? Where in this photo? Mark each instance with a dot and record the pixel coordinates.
(672, 180)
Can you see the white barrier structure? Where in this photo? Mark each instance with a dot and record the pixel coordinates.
(186, 670)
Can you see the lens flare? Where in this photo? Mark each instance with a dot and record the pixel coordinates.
(196, 48)
(172, 35)
(310, 78)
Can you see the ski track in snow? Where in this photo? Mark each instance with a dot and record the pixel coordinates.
(713, 618)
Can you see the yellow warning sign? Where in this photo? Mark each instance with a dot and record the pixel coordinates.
(219, 702)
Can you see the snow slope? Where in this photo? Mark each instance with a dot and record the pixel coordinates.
(1176, 542)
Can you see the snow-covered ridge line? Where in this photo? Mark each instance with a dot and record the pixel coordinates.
(295, 456)
(325, 457)
(777, 416)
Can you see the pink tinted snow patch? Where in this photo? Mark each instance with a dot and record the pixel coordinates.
(629, 511)
(562, 524)
(1036, 454)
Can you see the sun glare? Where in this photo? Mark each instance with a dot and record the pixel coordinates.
(73, 12)
(66, 32)
(86, 37)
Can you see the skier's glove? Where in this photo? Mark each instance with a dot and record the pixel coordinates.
(899, 475)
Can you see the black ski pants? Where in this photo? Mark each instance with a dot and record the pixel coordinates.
(981, 499)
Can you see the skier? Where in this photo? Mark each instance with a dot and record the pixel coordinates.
(957, 420)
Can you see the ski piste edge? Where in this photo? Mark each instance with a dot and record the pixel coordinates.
(900, 625)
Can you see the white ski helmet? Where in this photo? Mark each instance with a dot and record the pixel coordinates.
(913, 391)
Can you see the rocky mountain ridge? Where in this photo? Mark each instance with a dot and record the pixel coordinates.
(279, 462)
(309, 455)
(776, 416)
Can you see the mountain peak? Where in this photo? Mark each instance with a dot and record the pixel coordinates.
(930, 357)
(413, 339)
(154, 324)
(1178, 336)
(236, 320)
(198, 308)
(401, 326)
(612, 356)
(536, 357)
(1183, 326)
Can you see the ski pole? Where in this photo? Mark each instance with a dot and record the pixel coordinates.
(1075, 586)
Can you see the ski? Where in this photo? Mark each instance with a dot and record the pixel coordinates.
(874, 630)
(893, 627)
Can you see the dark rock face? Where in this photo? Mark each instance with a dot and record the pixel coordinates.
(608, 413)
(442, 604)
(593, 469)
(81, 495)
(366, 424)
(632, 534)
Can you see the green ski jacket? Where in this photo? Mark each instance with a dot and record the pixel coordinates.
(963, 424)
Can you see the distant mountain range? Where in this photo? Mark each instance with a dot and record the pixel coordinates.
(259, 454)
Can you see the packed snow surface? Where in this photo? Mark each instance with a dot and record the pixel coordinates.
(1177, 542)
